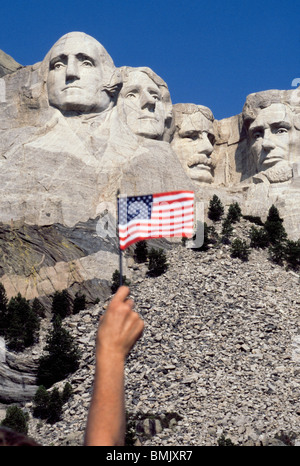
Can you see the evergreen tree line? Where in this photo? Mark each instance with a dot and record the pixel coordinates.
(20, 319)
(270, 234)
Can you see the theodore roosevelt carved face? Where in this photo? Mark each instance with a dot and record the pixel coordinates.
(77, 67)
(144, 103)
(193, 141)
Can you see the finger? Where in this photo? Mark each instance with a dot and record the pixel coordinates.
(121, 294)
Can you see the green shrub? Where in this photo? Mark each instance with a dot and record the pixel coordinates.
(227, 229)
(67, 392)
(258, 238)
(16, 420)
(62, 358)
(40, 403)
(234, 213)
(3, 310)
(141, 251)
(61, 304)
(79, 303)
(55, 405)
(23, 324)
(277, 252)
(38, 308)
(116, 281)
(292, 254)
(274, 226)
(157, 262)
(225, 442)
(240, 249)
(215, 208)
(48, 405)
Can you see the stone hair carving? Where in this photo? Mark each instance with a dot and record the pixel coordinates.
(271, 126)
(144, 103)
(193, 141)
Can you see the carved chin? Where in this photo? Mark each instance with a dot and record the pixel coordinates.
(279, 173)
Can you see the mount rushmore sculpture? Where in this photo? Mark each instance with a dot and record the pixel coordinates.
(75, 129)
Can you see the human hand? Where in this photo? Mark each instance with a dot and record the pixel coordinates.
(120, 327)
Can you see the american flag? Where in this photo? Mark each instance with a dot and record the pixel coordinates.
(160, 215)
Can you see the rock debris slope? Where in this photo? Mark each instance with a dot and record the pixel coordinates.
(219, 349)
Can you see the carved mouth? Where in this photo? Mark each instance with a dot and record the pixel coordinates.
(71, 87)
(148, 118)
(200, 166)
(272, 159)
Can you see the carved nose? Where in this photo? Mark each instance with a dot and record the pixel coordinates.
(147, 100)
(204, 145)
(268, 144)
(72, 71)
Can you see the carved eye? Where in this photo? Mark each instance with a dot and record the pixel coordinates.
(155, 96)
(87, 63)
(257, 134)
(281, 131)
(131, 95)
(191, 136)
(58, 65)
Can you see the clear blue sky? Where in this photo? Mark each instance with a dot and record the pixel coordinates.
(212, 53)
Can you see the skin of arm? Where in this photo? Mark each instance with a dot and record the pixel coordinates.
(119, 328)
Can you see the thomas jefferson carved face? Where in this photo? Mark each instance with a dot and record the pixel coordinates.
(270, 138)
(75, 79)
(193, 142)
(141, 104)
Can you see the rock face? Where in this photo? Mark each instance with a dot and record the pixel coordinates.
(75, 129)
(7, 64)
(229, 335)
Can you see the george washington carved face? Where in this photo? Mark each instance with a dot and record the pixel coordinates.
(76, 74)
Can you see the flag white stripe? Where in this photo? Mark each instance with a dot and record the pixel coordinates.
(145, 235)
(157, 221)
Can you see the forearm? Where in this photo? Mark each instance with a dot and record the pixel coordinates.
(106, 419)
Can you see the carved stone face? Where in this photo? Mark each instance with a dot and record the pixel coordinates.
(270, 136)
(193, 142)
(75, 75)
(140, 102)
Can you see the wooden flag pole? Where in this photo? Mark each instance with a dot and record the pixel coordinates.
(120, 250)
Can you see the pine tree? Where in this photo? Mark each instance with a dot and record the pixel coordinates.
(61, 304)
(40, 403)
(23, 324)
(16, 420)
(55, 405)
(141, 251)
(157, 262)
(227, 229)
(215, 209)
(116, 281)
(292, 254)
(234, 213)
(3, 310)
(258, 238)
(274, 226)
(62, 358)
(38, 308)
(240, 249)
(79, 303)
